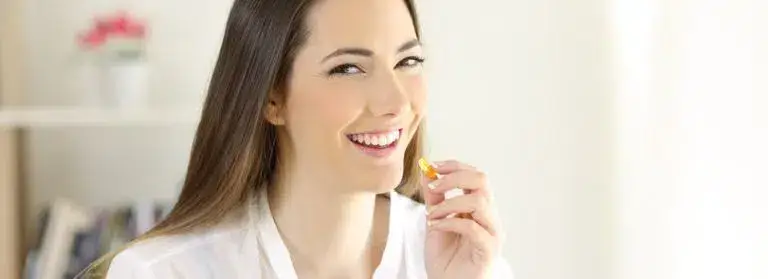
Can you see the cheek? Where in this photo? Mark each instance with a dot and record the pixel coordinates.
(417, 91)
(323, 108)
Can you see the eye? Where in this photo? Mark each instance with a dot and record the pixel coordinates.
(345, 69)
(410, 62)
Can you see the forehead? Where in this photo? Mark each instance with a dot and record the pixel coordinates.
(375, 24)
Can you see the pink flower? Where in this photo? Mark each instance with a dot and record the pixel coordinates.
(93, 39)
(120, 25)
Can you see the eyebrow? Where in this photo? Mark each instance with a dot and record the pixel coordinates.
(350, 51)
(367, 52)
(409, 45)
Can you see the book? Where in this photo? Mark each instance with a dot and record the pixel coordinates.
(71, 237)
(63, 220)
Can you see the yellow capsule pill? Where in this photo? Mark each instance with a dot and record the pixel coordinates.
(427, 169)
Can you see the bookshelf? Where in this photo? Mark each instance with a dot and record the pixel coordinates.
(16, 121)
(42, 117)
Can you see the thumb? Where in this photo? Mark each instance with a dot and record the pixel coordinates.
(430, 198)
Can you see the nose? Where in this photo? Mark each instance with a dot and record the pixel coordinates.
(389, 97)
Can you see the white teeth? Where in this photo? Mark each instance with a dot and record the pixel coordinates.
(377, 140)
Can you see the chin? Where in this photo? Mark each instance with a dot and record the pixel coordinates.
(383, 180)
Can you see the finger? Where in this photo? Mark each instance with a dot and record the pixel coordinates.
(430, 198)
(449, 166)
(471, 181)
(476, 234)
(473, 206)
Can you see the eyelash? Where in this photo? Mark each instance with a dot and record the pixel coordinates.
(343, 68)
(419, 61)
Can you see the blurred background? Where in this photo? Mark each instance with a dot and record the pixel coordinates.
(623, 138)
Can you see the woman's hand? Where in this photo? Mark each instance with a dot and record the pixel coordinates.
(463, 235)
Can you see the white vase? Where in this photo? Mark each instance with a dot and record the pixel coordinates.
(125, 83)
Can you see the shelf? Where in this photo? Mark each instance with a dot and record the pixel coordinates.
(34, 117)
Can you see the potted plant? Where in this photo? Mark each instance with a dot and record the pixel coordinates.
(118, 43)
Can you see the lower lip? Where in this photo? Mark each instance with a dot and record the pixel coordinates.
(375, 151)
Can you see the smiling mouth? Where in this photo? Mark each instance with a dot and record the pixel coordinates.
(378, 140)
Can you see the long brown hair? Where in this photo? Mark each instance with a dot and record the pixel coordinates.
(235, 147)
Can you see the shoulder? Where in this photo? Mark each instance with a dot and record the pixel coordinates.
(177, 256)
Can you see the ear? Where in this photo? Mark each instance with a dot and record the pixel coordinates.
(274, 112)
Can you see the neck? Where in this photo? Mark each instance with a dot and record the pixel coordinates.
(325, 230)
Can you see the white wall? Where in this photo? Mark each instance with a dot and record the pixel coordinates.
(184, 35)
(692, 191)
(523, 87)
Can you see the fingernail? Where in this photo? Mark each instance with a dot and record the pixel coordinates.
(432, 186)
(432, 223)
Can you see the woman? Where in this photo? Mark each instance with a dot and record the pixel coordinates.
(305, 161)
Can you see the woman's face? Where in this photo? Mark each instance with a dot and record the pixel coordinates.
(356, 95)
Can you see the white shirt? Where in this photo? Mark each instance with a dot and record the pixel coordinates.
(252, 248)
